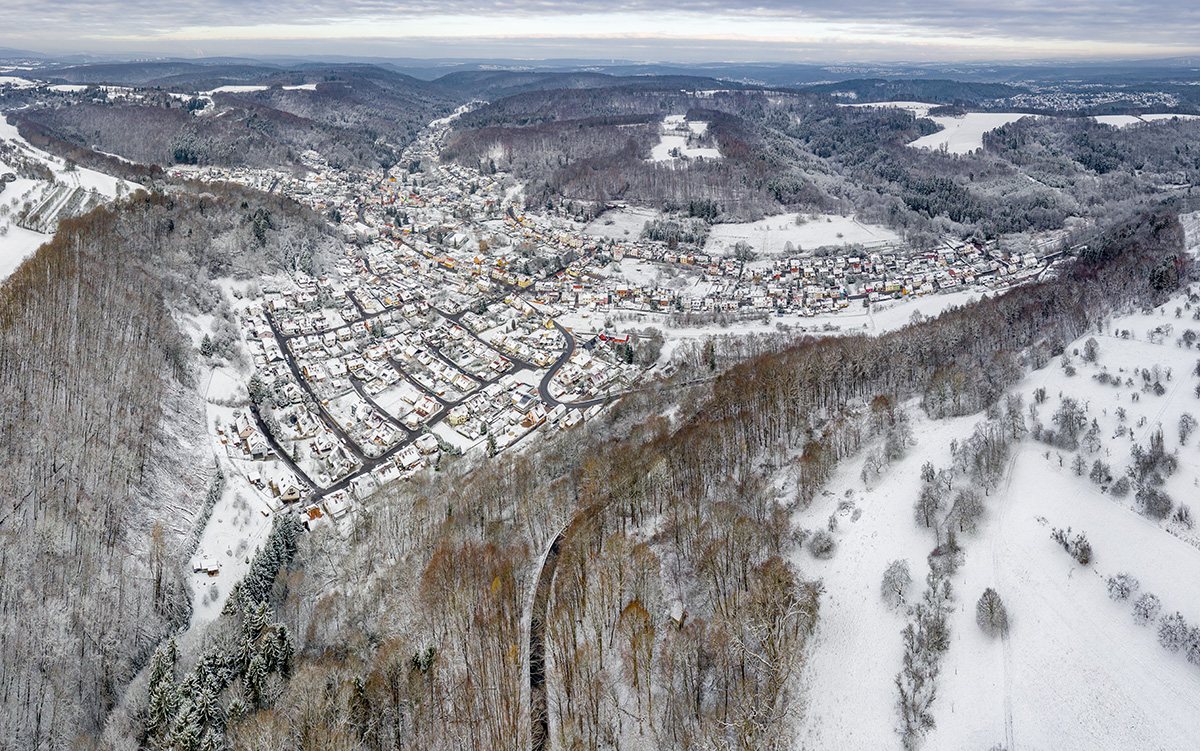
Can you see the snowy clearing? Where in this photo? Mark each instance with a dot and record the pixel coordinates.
(1075, 670)
(1168, 116)
(72, 189)
(234, 90)
(676, 133)
(771, 235)
(622, 224)
(964, 134)
(1119, 121)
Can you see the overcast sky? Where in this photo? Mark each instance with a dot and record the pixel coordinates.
(666, 30)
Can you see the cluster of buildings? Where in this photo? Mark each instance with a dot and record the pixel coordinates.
(440, 329)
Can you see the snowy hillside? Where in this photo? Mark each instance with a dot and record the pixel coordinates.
(1074, 669)
(41, 190)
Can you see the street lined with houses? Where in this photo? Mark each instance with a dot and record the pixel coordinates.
(443, 325)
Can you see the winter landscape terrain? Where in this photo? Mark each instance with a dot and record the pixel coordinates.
(377, 404)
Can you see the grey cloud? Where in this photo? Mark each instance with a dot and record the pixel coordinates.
(1147, 22)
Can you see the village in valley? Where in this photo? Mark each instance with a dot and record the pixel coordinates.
(455, 320)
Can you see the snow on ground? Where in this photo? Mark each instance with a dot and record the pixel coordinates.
(16, 82)
(639, 272)
(17, 243)
(919, 109)
(771, 235)
(79, 177)
(1119, 121)
(451, 436)
(964, 134)
(235, 531)
(622, 224)
(1075, 671)
(462, 110)
(857, 650)
(16, 246)
(241, 517)
(674, 134)
(1168, 116)
(234, 89)
(301, 87)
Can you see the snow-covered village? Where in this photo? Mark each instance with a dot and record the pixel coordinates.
(632, 380)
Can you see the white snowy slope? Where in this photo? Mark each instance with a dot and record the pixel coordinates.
(1075, 670)
(18, 243)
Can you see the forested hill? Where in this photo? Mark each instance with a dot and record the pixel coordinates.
(941, 91)
(356, 116)
(674, 615)
(103, 461)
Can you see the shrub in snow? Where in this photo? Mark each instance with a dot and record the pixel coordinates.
(821, 545)
(1120, 488)
(1172, 632)
(1122, 586)
(1155, 503)
(1187, 424)
(990, 613)
(896, 583)
(1146, 609)
(1183, 515)
(1101, 473)
(1078, 546)
(1191, 647)
(967, 510)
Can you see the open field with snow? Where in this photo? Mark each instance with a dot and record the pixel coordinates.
(622, 224)
(71, 191)
(676, 133)
(964, 134)
(771, 235)
(1075, 670)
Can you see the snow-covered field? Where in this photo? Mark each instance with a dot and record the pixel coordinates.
(1075, 670)
(17, 243)
(1121, 121)
(1168, 116)
(964, 134)
(771, 235)
(232, 89)
(674, 135)
(622, 224)
(16, 82)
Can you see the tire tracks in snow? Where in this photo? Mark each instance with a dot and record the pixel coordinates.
(1010, 742)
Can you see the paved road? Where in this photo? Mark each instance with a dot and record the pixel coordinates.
(544, 386)
(368, 464)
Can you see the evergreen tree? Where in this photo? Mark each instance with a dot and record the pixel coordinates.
(162, 696)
